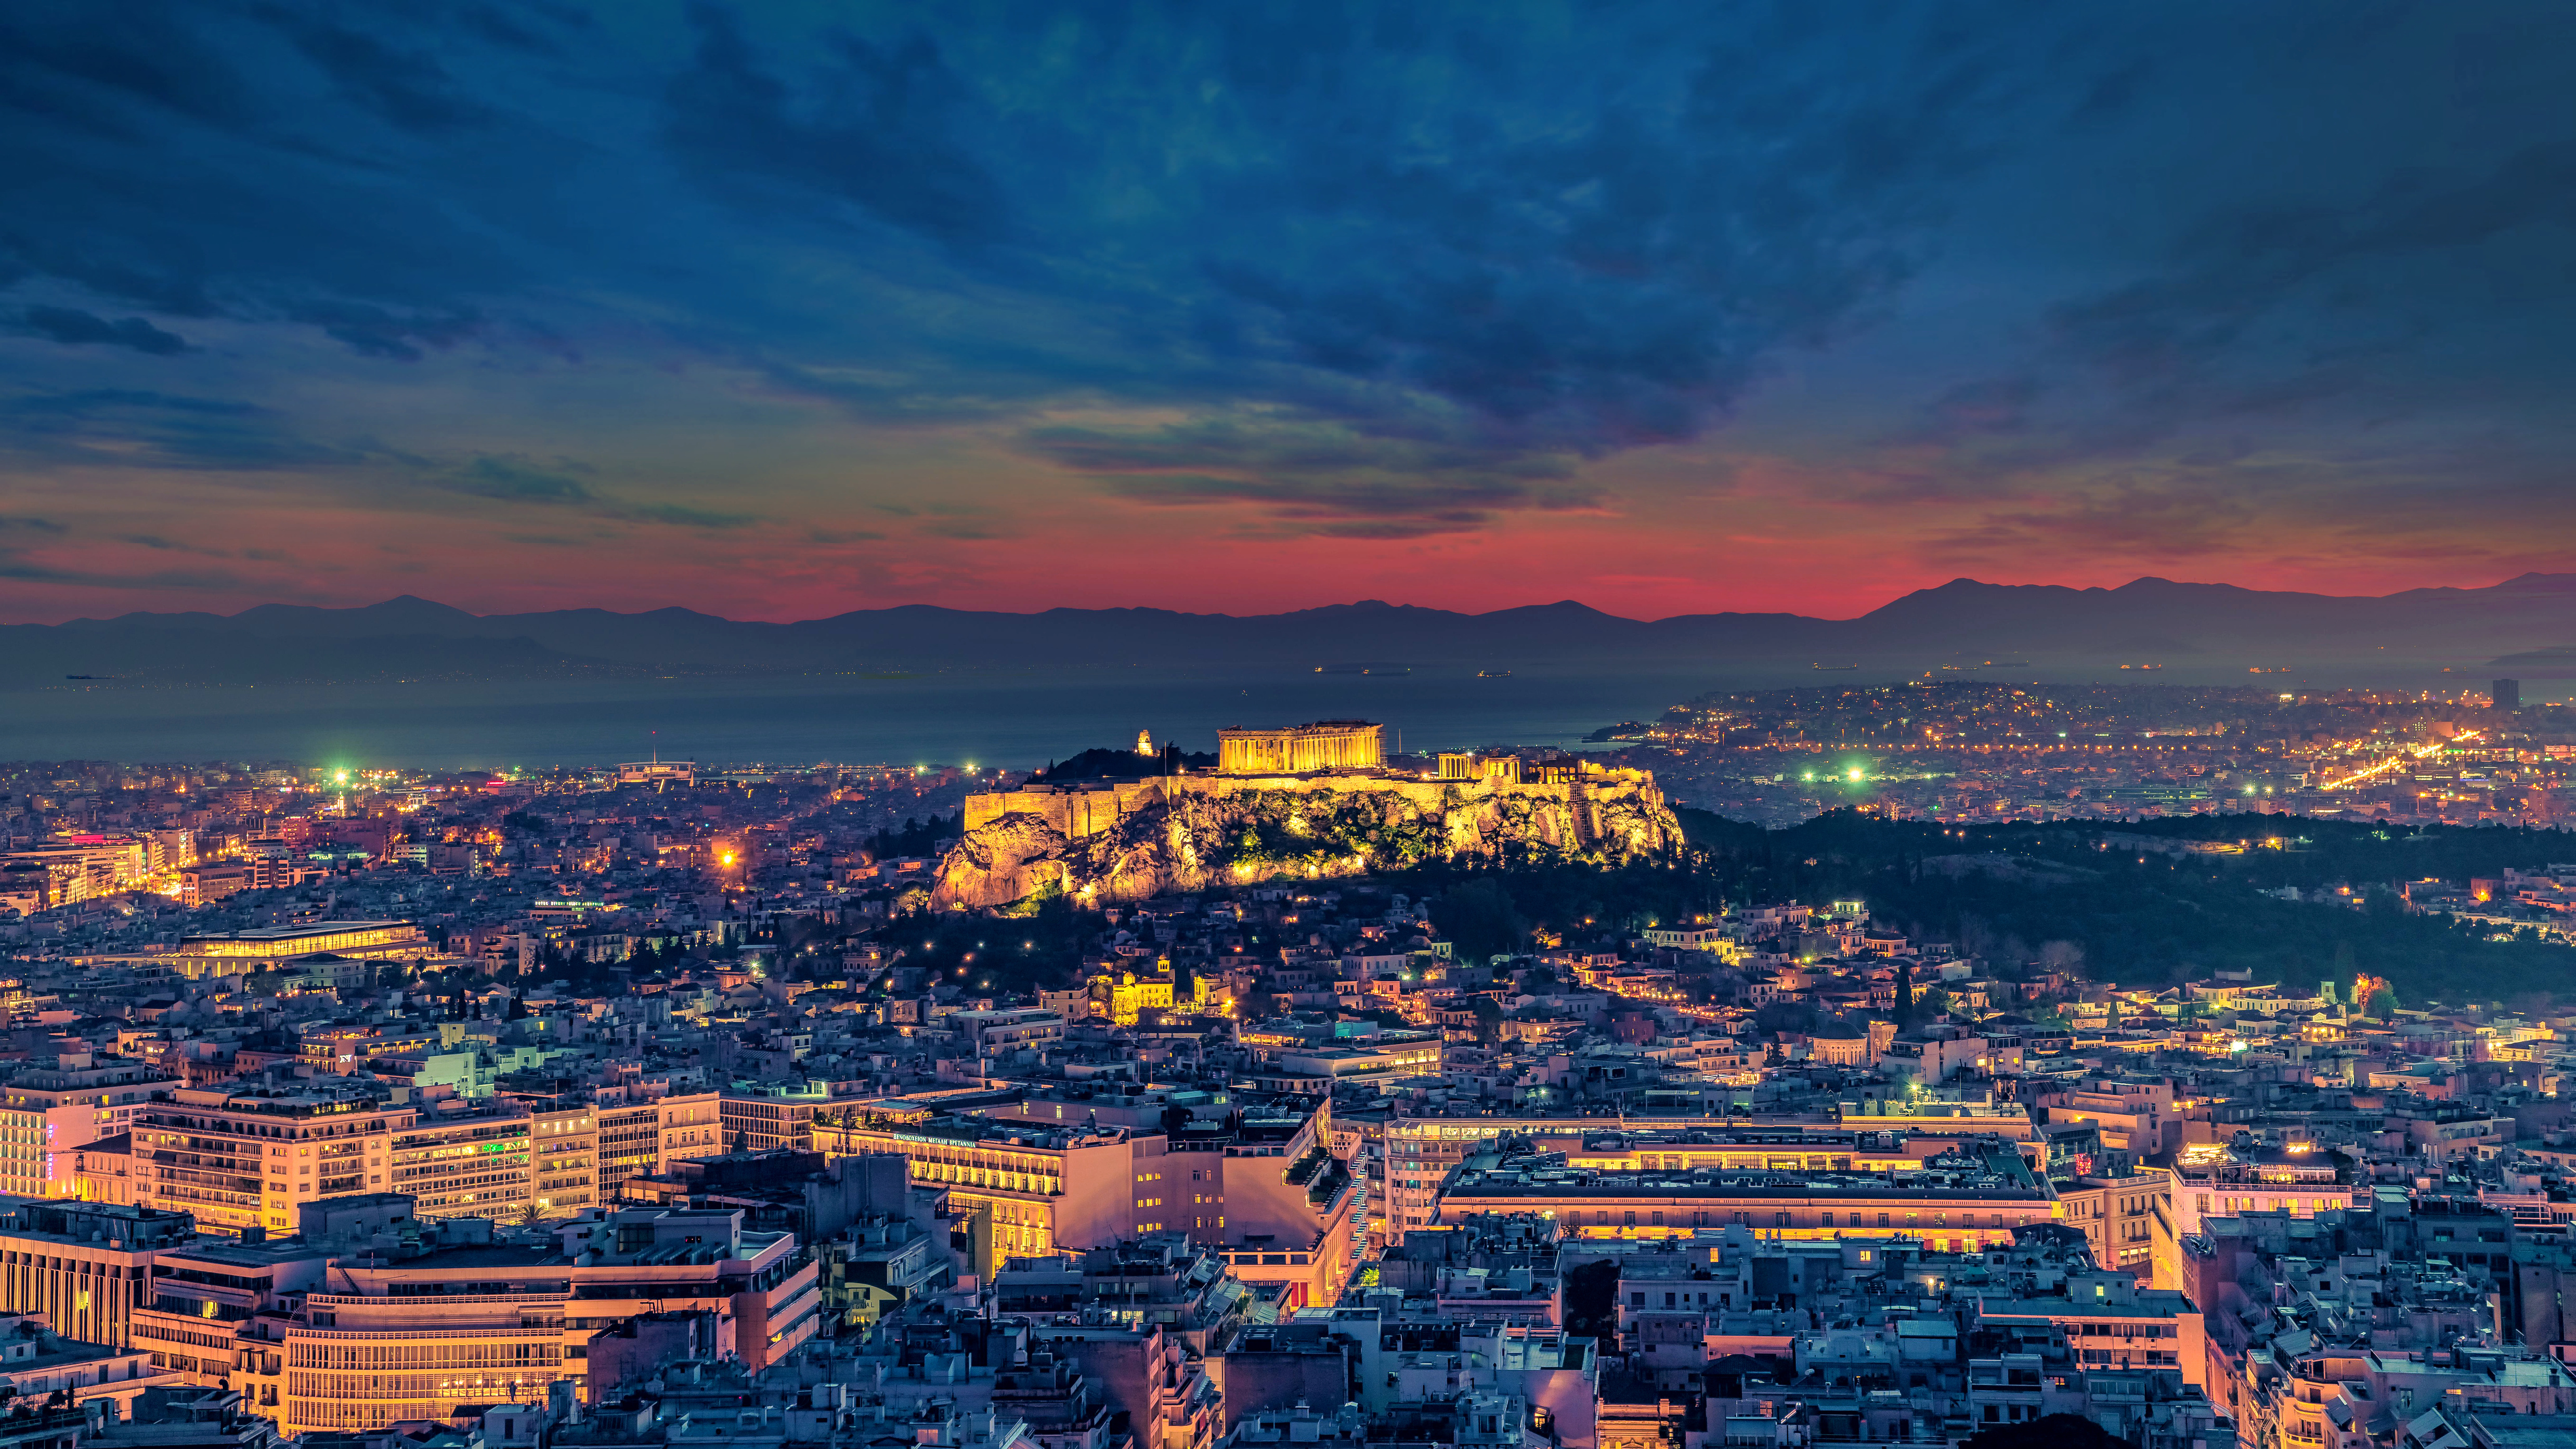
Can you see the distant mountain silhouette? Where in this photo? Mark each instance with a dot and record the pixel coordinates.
(1962, 628)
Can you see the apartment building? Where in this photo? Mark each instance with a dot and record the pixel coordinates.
(242, 1157)
(456, 1318)
(2127, 1221)
(2136, 1114)
(2108, 1322)
(1012, 1029)
(468, 1161)
(1055, 1171)
(85, 1266)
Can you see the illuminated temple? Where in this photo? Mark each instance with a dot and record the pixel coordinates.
(1333, 744)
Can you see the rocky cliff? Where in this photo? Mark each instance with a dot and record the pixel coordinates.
(1191, 832)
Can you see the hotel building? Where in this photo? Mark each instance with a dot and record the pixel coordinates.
(244, 1157)
(770, 1121)
(1039, 1188)
(56, 1110)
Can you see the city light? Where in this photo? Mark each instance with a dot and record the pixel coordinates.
(2420, 752)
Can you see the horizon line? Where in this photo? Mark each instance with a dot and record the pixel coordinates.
(1274, 614)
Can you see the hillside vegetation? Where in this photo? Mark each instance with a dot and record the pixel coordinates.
(2132, 914)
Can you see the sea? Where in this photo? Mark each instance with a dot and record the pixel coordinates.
(988, 719)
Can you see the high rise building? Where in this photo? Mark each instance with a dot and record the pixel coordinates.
(2506, 695)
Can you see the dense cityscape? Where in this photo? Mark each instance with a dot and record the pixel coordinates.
(1073, 725)
(651, 1102)
(1987, 751)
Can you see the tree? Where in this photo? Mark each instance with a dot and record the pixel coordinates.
(1489, 1018)
(1480, 920)
(1904, 994)
(1592, 1300)
(2056, 1431)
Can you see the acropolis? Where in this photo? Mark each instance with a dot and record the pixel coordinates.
(1307, 801)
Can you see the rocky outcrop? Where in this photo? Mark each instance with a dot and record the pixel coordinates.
(1191, 832)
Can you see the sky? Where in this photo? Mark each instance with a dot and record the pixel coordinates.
(781, 310)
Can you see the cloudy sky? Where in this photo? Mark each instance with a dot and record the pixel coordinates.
(780, 310)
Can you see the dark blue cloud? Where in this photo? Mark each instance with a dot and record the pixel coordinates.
(1357, 270)
(72, 327)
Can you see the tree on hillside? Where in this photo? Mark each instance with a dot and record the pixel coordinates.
(1480, 920)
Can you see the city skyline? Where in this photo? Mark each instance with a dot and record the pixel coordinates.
(784, 313)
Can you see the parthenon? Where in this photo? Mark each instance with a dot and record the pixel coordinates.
(1332, 744)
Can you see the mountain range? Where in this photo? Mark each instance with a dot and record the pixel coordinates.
(2188, 632)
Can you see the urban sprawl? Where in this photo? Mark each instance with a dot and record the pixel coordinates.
(659, 1105)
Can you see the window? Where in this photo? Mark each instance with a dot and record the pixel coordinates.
(1828, 1220)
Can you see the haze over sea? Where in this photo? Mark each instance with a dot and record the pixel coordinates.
(1012, 720)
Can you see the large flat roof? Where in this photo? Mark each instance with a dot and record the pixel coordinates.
(1857, 1186)
(292, 933)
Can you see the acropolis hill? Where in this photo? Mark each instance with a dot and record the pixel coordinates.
(1308, 801)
